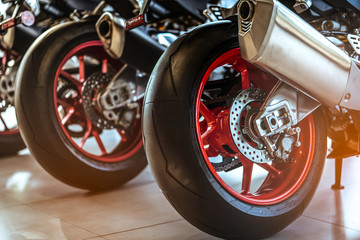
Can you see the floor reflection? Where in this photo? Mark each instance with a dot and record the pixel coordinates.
(34, 205)
(18, 181)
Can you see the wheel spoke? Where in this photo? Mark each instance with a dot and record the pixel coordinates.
(87, 134)
(5, 125)
(4, 61)
(99, 142)
(68, 115)
(272, 170)
(210, 118)
(70, 78)
(245, 79)
(104, 68)
(122, 134)
(208, 132)
(63, 103)
(241, 67)
(247, 175)
(206, 113)
(81, 69)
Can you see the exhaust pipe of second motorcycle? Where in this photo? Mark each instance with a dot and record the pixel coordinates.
(277, 40)
(111, 31)
(134, 47)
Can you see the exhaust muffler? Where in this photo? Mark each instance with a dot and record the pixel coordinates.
(135, 47)
(277, 40)
(111, 31)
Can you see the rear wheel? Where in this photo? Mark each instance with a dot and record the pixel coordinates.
(222, 179)
(63, 123)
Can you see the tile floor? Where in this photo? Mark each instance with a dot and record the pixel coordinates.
(35, 206)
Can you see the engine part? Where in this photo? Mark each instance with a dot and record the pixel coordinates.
(330, 25)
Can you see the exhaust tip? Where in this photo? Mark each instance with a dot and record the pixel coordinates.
(105, 28)
(246, 10)
(111, 31)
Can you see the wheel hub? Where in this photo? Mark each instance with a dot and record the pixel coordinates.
(248, 129)
(92, 86)
(242, 113)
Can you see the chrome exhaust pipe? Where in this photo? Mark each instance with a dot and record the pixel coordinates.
(135, 48)
(111, 31)
(277, 40)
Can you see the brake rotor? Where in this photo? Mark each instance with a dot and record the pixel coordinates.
(242, 114)
(91, 87)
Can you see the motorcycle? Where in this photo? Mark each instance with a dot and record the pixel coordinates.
(14, 42)
(80, 90)
(237, 113)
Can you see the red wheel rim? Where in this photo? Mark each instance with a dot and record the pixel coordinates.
(102, 145)
(254, 183)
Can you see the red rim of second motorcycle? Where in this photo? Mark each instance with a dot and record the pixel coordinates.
(282, 180)
(125, 148)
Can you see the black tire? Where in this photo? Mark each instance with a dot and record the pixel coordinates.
(176, 158)
(39, 121)
(11, 144)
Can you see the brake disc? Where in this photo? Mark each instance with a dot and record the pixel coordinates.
(91, 87)
(242, 114)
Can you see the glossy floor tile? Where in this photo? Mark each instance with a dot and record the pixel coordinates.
(34, 205)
